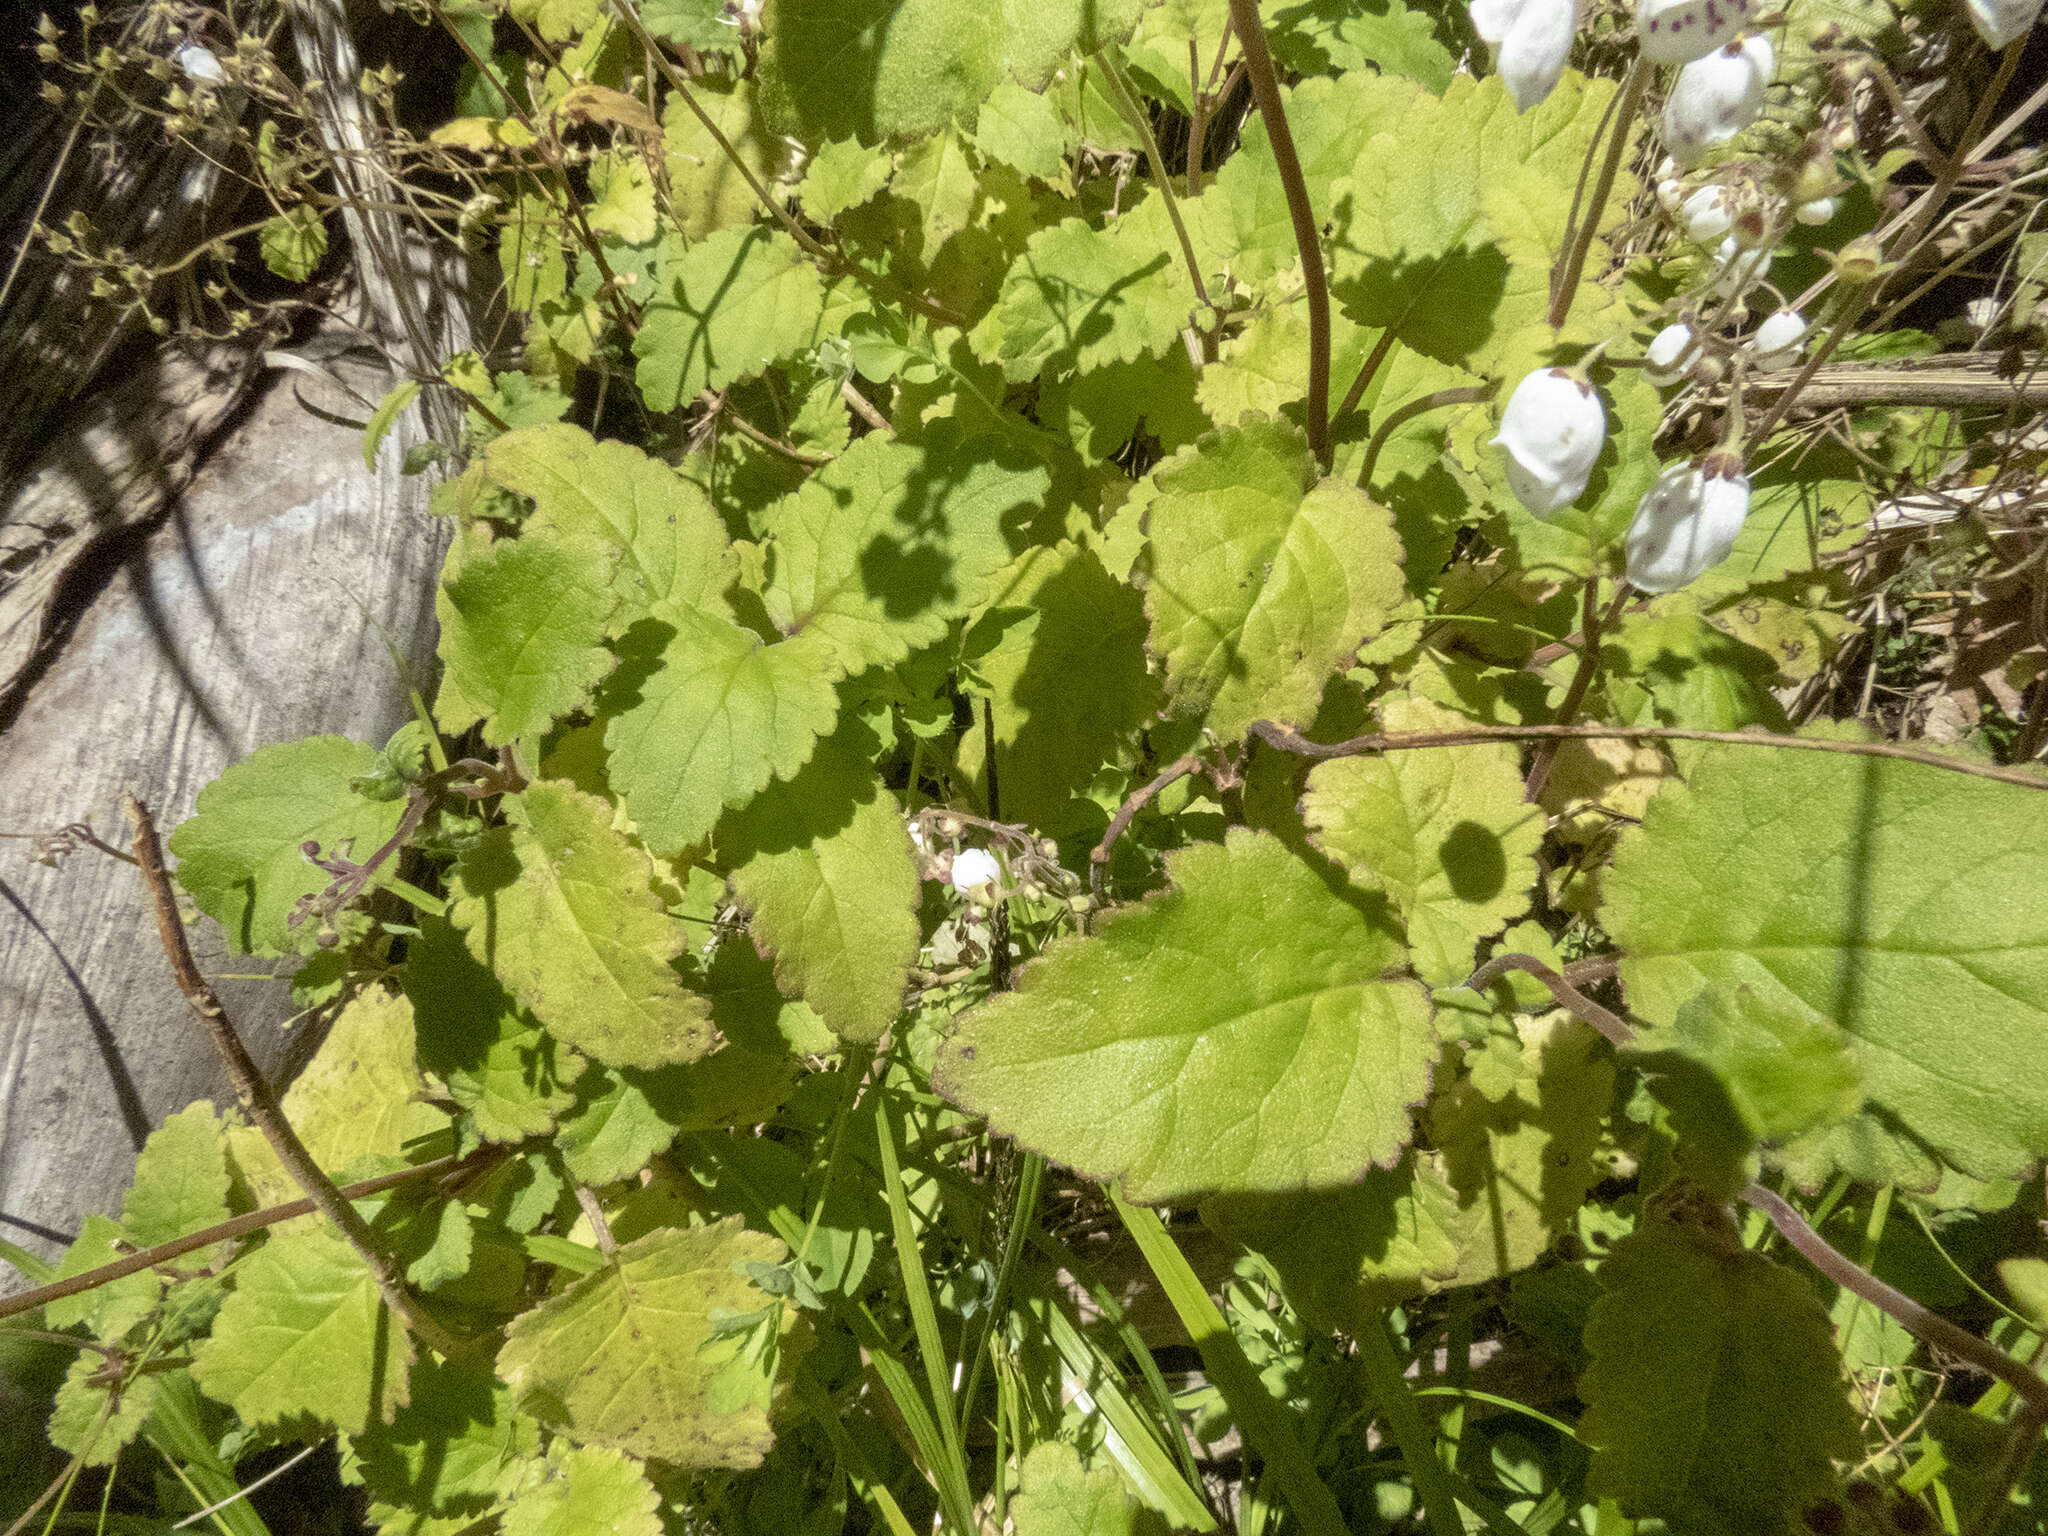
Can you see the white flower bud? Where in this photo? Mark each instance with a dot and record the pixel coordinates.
(1778, 340)
(1671, 354)
(1551, 434)
(1981, 313)
(1686, 523)
(1679, 31)
(1670, 195)
(200, 66)
(2001, 22)
(1819, 211)
(1708, 214)
(1530, 40)
(974, 869)
(1716, 97)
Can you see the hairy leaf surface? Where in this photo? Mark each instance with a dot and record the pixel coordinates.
(724, 309)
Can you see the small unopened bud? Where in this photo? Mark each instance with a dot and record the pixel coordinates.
(1671, 354)
(1820, 210)
(1687, 522)
(1778, 340)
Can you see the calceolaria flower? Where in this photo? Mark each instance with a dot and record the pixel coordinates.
(975, 872)
(1550, 434)
(1530, 40)
(1687, 522)
(1716, 97)
(1679, 31)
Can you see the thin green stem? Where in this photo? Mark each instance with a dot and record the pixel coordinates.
(1030, 1177)
(1564, 282)
(1134, 113)
(1258, 61)
(1408, 412)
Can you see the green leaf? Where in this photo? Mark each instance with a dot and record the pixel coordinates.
(1444, 831)
(699, 24)
(1080, 297)
(381, 421)
(724, 309)
(494, 1058)
(1239, 1033)
(1741, 1071)
(843, 174)
(447, 1450)
(293, 242)
(240, 857)
(1264, 581)
(1321, 36)
(939, 178)
(304, 1333)
(531, 254)
(1021, 128)
(1714, 1399)
(111, 1309)
(824, 863)
(354, 1100)
(1056, 1498)
(711, 717)
(635, 1357)
(584, 1490)
(879, 550)
(522, 629)
(1905, 906)
(628, 1118)
(623, 197)
(674, 545)
(706, 190)
(563, 909)
(95, 1422)
(181, 1180)
(1063, 658)
(902, 69)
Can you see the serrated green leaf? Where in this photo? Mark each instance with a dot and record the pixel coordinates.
(181, 1179)
(824, 863)
(1445, 832)
(95, 1422)
(447, 1450)
(937, 176)
(531, 254)
(241, 858)
(632, 1357)
(1263, 580)
(625, 1120)
(111, 1309)
(1064, 659)
(563, 909)
(1056, 1498)
(1239, 1033)
(522, 629)
(706, 190)
(304, 1333)
(1021, 128)
(1320, 36)
(448, 1256)
(354, 1099)
(494, 1057)
(293, 242)
(1714, 1399)
(879, 550)
(699, 24)
(1080, 297)
(712, 716)
(843, 174)
(674, 546)
(903, 69)
(584, 1490)
(724, 309)
(1905, 906)
(1742, 1071)
(623, 201)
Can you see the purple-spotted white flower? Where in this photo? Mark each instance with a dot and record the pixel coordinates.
(1551, 434)
(1679, 31)
(1530, 41)
(1687, 522)
(1716, 97)
(975, 871)
(1708, 214)
(1779, 339)
(2003, 22)
(1671, 354)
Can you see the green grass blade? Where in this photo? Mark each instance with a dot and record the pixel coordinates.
(1029, 1178)
(818, 1403)
(1411, 1436)
(1266, 1424)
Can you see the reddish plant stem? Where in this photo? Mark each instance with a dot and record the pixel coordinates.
(225, 1231)
(1564, 283)
(258, 1102)
(1251, 41)
(1611, 1024)
(1408, 741)
(1098, 860)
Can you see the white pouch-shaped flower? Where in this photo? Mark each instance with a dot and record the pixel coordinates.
(1779, 340)
(1551, 434)
(2003, 22)
(975, 871)
(1819, 211)
(1716, 97)
(1530, 40)
(1687, 522)
(199, 65)
(1708, 214)
(1671, 354)
(1679, 31)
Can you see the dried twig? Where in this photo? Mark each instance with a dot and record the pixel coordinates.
(1098, 860)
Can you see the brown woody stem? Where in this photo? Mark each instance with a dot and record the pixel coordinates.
(1098, 860)
(256, 1099)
